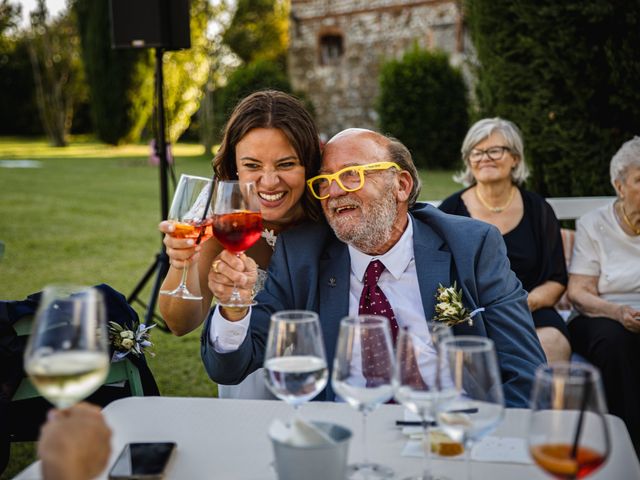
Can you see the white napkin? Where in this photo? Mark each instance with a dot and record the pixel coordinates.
(489, 449)
(299, 433)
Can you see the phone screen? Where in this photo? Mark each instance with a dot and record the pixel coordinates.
(142, 460)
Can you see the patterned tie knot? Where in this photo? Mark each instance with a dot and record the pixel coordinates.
(372, 275)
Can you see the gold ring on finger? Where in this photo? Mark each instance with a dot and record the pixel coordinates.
(214, 266)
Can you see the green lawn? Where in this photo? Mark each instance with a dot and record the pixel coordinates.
(88, 215)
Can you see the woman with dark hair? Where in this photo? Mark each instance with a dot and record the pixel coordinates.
(494, 171)
(271, 140)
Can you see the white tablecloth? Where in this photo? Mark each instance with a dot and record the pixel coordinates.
(227, 439)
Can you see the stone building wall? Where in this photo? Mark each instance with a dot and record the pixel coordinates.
(337, 47)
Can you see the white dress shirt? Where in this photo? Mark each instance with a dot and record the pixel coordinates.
(399, 282)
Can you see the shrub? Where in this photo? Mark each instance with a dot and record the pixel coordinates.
(566, 73)
(423, 103)
(120, 81)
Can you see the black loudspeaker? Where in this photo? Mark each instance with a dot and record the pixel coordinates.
(150, 23)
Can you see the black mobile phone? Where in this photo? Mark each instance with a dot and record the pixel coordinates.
(144, 461)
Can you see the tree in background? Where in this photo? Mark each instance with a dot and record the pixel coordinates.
(17, 97)
(259, 30)
(120, 81)
(186, 72)
(423, 103)
(222, 61)
(567, 74)
(55, 58)
(247, 79)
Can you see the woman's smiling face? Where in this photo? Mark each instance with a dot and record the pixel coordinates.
(265, 156)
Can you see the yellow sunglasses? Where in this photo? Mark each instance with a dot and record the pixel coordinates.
(349, 179)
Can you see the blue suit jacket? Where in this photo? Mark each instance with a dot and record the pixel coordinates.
(310, 270)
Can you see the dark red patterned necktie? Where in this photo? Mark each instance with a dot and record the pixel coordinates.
(374, 302)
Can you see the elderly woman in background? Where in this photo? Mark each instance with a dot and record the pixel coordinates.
(604, 286)
(493, 155)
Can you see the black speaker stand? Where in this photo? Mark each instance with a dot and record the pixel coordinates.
(160, 266)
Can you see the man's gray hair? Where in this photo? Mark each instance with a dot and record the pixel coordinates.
(481, 130)
(400, 154)
(627, 156)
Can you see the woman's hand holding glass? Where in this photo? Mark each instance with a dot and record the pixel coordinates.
(181, 251)
(237, 225)
(230, 271)
(190, 219)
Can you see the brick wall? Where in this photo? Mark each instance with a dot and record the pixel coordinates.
(337, 47)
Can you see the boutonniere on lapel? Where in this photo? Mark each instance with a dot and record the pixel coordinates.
(135, 341)
(449, 307)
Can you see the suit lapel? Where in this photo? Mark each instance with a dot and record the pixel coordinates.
(433, 264)
(334, 278)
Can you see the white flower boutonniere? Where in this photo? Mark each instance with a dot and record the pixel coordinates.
(125, 341)
(449, 307)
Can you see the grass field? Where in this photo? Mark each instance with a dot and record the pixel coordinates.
(88, 215)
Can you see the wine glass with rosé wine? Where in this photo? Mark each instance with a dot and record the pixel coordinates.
(237, 225)
(568, 434)
(191, 217)
(67, 354)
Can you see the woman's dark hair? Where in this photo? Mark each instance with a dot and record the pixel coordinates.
(273, 109)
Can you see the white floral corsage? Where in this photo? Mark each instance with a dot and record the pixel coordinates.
(449, 307)
(126, 341)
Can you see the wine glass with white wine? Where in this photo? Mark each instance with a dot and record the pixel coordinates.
(295, 361)
(67, 355)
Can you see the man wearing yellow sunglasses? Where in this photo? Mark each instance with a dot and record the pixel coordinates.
(381, 253)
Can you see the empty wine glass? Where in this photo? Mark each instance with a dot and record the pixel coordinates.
(67, 355)
(191, 216)
(237, 225)
(295, 362)
(476, 407)
(418, 380)
(568, 434)
(362, 375)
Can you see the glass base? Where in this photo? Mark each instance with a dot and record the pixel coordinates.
(181, 292)
(429, 476)
(239, 304)
(362, 471)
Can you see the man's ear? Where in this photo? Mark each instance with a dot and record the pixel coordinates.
(405, 184)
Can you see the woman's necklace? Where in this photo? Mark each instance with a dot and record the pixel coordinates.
(499, 209)
(627, 221)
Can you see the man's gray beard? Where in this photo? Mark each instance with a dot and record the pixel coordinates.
(375, 228)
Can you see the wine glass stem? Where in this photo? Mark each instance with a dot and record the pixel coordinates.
(467, 458)
(365, 452)
(426, 457)
(235, 293)
(183, 280)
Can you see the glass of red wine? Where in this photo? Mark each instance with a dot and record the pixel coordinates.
(568, 434)
(191, 216)
(237, 224)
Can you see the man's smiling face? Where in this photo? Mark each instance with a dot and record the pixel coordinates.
(364, 218)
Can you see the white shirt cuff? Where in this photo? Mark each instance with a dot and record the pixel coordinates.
(226, 336)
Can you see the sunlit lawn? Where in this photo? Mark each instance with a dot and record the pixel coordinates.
(88, 215)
